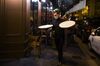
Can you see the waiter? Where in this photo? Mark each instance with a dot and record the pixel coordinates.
(58, 34)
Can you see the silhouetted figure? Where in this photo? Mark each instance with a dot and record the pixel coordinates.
(58, 34)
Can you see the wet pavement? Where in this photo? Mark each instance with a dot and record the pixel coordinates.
(75, 54)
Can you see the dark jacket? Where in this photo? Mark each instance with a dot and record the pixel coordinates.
(58, 32)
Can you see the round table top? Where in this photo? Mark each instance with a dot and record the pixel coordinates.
(45, 26)
(67, 24)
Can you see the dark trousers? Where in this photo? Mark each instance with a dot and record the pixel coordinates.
(59, 46)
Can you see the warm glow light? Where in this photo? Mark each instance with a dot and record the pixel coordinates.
(86, 7)
(85, 10)
(12, 2)
(76, 15)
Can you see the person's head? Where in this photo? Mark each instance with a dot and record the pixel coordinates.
(56, 13)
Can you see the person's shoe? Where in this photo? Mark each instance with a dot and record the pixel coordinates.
(59, 64)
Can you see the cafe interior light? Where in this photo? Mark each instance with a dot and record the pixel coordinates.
(85, 10)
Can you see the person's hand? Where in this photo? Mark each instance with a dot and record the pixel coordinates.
(49, 29)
